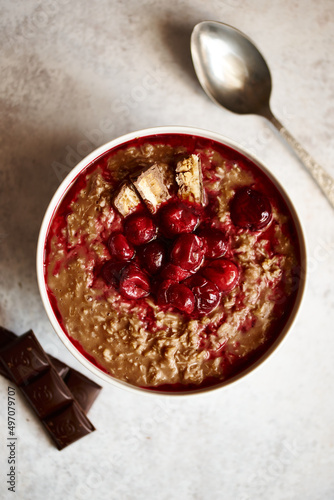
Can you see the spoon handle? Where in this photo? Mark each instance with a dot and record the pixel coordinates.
(321, 177)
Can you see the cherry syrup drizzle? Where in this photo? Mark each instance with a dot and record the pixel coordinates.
(181, 255)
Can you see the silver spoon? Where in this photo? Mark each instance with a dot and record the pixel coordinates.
(234, 74)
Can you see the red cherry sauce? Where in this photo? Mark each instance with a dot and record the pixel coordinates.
(192, 145)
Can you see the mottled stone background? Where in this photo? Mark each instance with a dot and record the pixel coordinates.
(75, 74)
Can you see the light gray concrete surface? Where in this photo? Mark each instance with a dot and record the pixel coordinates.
(75, 74)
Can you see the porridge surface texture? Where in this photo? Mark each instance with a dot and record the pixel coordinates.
(137, 340)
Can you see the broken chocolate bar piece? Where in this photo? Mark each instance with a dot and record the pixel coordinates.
(6, 336)
(24, 358)
(68, 425)
(150, 184)
(30, 368)
(48, 393)
(83, 389)
(189, 179)
(59, 366)
(126, 199)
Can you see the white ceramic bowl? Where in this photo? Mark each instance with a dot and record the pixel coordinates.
(57, 198)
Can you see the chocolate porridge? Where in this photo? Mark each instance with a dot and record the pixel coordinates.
(172, 262)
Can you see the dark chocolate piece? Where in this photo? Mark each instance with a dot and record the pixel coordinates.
(6, 337)
(83, 389)
(48, 394)
(30, 367)
(59, 366)
(68, 426)
(24, 358)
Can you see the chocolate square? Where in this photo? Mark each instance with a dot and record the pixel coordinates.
(6, 337)
(24, 361)
(48, 394)
(24, 358)
(83, 389)
(68, 425)
(59, 366)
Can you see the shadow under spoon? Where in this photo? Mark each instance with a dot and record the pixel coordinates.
(234, 74)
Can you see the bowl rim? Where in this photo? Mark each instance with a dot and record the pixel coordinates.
(62, 190)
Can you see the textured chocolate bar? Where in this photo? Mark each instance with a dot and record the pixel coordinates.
(6, 337)
(68, 426)
(24, 358)
(29, 366)
(59, 366)
(83, 389)
(48, 394)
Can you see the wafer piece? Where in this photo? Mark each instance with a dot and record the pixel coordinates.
(126, 199)
(150, 184)
(189, 180)
(168, 176)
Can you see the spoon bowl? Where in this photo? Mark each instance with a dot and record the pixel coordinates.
(234, 74)
(230, 68)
